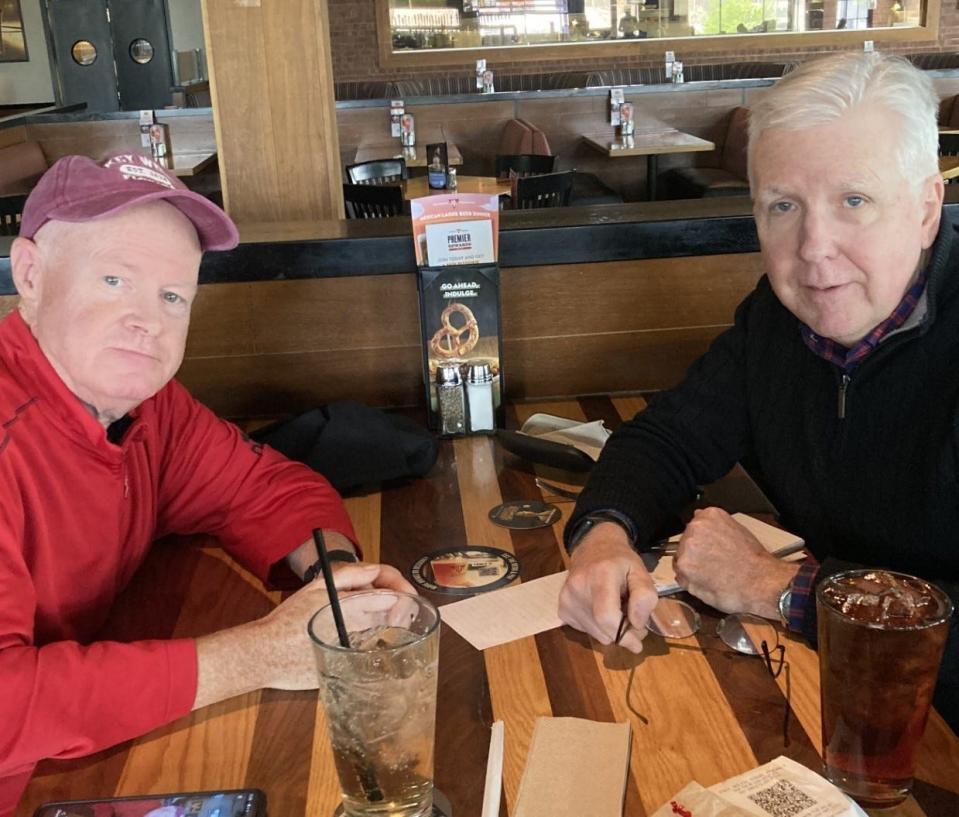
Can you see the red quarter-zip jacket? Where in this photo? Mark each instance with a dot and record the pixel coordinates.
(77, 516)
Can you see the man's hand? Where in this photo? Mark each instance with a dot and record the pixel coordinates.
(275, 651)
(387, 577)
(722, 563)
(603, 571)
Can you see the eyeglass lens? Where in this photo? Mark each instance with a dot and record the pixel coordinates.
(745, 633)
(742, 632)
(672, 618)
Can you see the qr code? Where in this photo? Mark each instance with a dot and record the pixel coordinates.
(782, 799)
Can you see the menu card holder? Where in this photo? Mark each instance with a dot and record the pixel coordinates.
(456, 243)
(460, 324)
(437, 165)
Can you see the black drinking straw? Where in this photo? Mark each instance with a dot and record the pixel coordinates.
(364, 769)
(331, 588)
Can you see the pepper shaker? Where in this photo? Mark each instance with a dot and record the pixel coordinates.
(451, 399)
(479, 395)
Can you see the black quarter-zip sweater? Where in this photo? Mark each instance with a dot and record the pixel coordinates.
(875, 484)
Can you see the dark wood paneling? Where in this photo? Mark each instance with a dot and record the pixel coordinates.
(285, 346)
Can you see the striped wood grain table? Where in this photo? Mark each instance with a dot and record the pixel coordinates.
(710, 715)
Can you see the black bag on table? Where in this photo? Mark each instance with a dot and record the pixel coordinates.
(352, 445)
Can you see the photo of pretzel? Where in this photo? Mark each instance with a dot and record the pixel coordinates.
(448, 340)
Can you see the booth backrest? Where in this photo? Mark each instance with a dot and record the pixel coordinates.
(517, 137)
(540, 145)
(734, 148)
(20, 167)
(949, 113)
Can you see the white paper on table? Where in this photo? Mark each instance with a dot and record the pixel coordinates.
(501, 616)
(778, 542)
(587, 437)
(761, 791)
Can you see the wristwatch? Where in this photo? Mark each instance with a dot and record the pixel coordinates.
(785, 599)
(591, 520)
(338, 555)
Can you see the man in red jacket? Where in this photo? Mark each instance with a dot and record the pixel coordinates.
(102, 452)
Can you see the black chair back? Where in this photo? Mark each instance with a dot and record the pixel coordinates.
(372, 201)
(550, 190)
(11, 208)
(949, 144)
(382, 171)
(525, 164)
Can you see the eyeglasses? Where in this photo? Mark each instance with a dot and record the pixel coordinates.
(744, 634)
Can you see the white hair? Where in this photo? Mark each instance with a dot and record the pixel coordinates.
(823, 90)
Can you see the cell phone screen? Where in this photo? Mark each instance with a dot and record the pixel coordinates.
(247, 803)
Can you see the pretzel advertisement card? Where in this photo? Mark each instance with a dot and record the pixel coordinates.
(460, 325)
(455, 228)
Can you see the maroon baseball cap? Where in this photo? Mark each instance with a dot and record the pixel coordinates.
(77, 189)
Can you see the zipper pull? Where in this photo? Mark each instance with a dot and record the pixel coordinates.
(843, 385)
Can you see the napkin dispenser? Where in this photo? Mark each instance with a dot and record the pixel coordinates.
(570, 445)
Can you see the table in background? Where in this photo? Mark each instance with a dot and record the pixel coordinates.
(949, 168)
(650, 144)
(415, 156)
(190, 164)
(415, 188)
(711, 714)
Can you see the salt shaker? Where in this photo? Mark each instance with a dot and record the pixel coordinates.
(451, 398)
(479, 395)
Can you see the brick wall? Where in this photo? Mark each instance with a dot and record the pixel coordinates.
(356, 55)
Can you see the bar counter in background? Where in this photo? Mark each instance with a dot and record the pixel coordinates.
(595, 300)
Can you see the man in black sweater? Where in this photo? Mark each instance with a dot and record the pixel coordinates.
(837, 386)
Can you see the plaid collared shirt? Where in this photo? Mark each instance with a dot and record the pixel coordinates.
(848, 359)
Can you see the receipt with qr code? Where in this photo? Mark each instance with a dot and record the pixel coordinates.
(780, 788)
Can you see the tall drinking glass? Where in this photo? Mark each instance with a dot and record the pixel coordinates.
(380, 700)
(881, 637)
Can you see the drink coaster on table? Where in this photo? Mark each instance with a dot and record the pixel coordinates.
(441, 806)
(465, 571)
(525, 515)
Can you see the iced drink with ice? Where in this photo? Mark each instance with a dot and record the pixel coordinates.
(881, 637)
(380, 700)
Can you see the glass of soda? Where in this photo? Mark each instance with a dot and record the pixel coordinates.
(881, 638)
(380, 700)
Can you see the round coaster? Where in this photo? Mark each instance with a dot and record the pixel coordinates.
(441, 806)
(465, 571)
(522, 515)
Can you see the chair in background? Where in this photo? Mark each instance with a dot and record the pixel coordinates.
(381, 171)
(373, 201)
(548, 190)
(730, 178)
(949, 156)
(11, 208)
(524, 164)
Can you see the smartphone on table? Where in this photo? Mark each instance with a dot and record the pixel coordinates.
(233, 803)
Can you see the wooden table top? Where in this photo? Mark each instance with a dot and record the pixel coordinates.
(415, 188)
(647, 143)
(949, 167)
(711, 715)
(190, 164)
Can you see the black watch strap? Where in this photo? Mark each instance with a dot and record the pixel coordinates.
(316, 569)
(591, 520)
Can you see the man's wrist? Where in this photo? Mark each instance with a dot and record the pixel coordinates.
(337, 555)
(583, 526)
